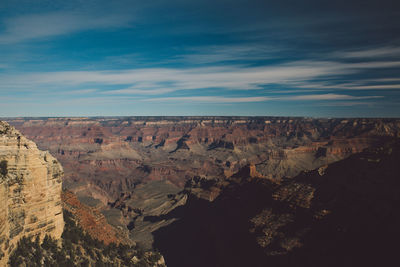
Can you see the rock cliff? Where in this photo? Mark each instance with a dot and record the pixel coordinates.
(30, 188)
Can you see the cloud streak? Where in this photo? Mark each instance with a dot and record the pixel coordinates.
(327, 97)
(388, 51)
(228, 53)
(233, 78)
(210, 99)
(154, 81)
(219, 99)
(39, 26)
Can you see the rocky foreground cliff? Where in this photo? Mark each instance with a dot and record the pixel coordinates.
(30, 191)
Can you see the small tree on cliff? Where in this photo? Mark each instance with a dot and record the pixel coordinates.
(3, 167)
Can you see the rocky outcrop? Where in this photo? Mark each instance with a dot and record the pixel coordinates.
(92, 221)
(30, 188)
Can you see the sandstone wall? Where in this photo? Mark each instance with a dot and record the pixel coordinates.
(30, 189)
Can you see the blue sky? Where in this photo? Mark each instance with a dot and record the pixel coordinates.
(284, 58)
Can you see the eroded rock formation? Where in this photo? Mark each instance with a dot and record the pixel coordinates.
(30, 188)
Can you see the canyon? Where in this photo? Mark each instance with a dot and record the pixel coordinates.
(241, 190)
(133, 169)
(103, 157)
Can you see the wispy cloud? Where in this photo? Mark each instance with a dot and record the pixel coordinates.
(328, 97)
(228, 77)
(371, 53)
(80, 92)
(359, 85)
(209, 99)
(35, 26)
(346, 103)
(219, 99)
(158, 81)
(375, 87)
(132, 91)
(229, 53)
(228, 84)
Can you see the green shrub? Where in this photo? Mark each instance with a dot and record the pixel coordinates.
(3, 167)
(78, 249)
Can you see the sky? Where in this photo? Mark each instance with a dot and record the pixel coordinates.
(310, 58)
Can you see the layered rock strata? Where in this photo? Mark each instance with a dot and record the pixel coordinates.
(108, 156)
(30, 188)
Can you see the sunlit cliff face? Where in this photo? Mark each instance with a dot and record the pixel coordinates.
(30, 188)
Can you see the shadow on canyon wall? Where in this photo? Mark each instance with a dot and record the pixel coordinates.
(343, 215)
